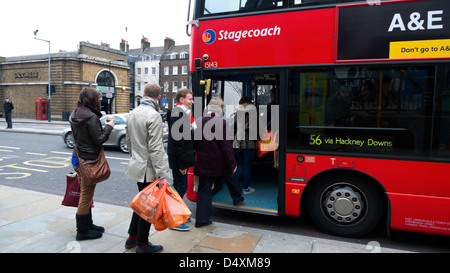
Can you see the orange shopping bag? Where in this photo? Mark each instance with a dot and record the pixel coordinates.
(159, 224)
(175, 211)
(148, 202)
(268, 143)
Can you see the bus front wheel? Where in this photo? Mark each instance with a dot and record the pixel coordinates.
(345, 206)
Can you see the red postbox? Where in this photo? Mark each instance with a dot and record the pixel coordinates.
(41, 108)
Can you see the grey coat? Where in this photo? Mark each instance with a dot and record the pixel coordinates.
(144, 132)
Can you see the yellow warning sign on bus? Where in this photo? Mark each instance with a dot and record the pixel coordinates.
(420, 49)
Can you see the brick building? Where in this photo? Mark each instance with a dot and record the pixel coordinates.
(25, 78)
(174, 70)
(146, 68)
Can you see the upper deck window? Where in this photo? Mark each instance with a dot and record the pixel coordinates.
(220, 6)
(213, 7)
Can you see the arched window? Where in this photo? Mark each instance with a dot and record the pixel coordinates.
(105, 78)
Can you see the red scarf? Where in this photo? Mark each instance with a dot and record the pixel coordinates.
(188, 111)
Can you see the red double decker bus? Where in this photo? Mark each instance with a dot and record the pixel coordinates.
(363, 89)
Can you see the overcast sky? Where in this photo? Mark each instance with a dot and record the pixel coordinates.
(65, 23)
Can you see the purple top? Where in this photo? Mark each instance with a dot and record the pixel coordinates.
(214, 157)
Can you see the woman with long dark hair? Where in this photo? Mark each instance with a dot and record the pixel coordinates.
(89, 136)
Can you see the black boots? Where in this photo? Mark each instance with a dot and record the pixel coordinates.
(86, 230)
(91, 224)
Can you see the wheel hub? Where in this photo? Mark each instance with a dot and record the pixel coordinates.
(343, 204)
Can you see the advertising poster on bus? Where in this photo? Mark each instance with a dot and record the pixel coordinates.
(312, 98)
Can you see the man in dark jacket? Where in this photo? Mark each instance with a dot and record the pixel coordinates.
(7, 108)
(180, 149)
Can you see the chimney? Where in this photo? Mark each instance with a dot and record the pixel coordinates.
(124, 46)
(168, 43)
(144, 43)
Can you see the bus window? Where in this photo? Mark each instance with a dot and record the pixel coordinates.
(261, 89)
(442, 129)
(306, 2)
(220, 6)
(362, 110)
(448, 80)
(261, 4)
(266, 95)
(232, 94)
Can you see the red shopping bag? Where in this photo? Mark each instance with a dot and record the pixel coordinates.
(72, 195)
(191, 193)
(175, 211)
(148, 202)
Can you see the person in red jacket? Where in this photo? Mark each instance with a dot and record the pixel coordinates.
(215, 160)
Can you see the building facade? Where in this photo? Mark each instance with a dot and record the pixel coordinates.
(174, 71)
(24, 79)
(166, 65)
(146, 68)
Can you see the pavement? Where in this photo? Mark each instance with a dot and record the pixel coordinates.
(35, 222)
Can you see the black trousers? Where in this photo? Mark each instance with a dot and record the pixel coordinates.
(138, 226)
(180, 182)
(204, 195)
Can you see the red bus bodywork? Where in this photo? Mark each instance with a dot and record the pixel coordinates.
(293, 45)
(417, 192)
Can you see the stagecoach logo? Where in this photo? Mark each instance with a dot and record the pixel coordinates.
(209, 36)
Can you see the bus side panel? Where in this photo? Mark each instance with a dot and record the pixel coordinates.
(416, 190)
(291, 38)
(396, 176)
(410, 177)
(417, 213)
(305, 51)
(293, 194)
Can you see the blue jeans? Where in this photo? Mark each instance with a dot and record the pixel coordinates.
(8, 119)
(244, 159)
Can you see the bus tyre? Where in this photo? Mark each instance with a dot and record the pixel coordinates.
(345, 206)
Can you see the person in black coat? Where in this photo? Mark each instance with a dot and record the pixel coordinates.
(180, 148)
(7, 108)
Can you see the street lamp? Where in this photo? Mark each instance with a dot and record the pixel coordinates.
(48, 87)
